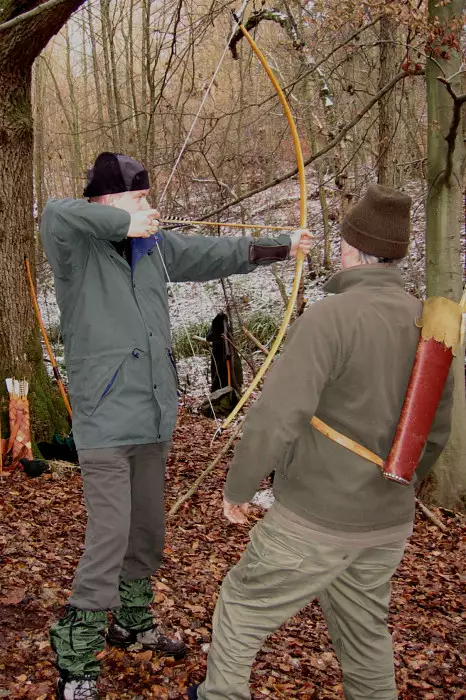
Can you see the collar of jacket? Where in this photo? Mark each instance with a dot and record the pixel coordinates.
(142, 246)
(369, 276)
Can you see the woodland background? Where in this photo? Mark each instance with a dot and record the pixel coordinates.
(378, 91)
(377, 94)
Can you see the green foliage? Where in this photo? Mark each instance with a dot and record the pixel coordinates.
(261, 324)
(180, 340)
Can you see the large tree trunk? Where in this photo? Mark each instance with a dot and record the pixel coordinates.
(444, 268)
(39, 145)
(20, 348)
(17, 240)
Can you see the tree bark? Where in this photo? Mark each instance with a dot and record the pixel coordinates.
(106, 39)
(39, 145)
(96, 72)
(443, 244)
(20, 348)
(387, 105)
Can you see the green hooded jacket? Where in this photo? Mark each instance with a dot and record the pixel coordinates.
(114, 316)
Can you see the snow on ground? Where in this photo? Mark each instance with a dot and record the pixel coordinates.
(193, 302)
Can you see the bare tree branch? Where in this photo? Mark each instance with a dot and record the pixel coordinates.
(316, 66)
(31, 13)
(175, 508)
(291, 173)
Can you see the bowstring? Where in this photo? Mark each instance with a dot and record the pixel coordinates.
(185, 328)
(204, 100)
(173, 170)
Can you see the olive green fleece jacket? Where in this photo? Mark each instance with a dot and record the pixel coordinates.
(114, 317)
(348, 360)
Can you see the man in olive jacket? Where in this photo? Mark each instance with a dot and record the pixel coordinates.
(337, 529)
(110, 267)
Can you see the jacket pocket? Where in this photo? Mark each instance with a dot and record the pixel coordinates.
(92, 380)
(267, 564)
(282, 471)
(288, 459)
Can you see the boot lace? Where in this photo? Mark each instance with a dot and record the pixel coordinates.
(85, 690)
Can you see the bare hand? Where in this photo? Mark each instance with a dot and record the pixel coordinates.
(237, 514)
(301, 239)
(143, 223)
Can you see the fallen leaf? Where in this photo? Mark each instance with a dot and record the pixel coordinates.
(14, 596)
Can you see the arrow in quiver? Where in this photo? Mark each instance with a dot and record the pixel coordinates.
(19, 443)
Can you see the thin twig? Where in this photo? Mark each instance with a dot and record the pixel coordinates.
(280, 285)
(244, 357)
(174, 509)
(431, 516)
(256, 342)
(330, 145)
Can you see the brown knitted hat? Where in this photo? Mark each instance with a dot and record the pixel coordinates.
(379, 223)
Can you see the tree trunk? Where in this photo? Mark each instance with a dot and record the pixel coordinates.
(39, 144)
(20, 348)
(387, 105)
(443, 245)
(96, 73)
(86, 120)
(75, 165)
(145, 66)
(117, 101)
(131, 77)
(105, 23)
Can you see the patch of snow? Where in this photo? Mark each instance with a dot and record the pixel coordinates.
(205, 647)
(194, 376)
(194, 302)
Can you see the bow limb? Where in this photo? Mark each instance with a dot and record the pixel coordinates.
(302, 224)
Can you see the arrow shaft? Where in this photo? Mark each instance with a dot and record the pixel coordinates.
(228, 223)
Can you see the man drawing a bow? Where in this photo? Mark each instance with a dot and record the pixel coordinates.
(110, 264)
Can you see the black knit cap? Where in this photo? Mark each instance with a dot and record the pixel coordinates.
(114, 173)
(379, 223)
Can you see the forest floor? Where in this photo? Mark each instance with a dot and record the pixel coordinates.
(41, 540)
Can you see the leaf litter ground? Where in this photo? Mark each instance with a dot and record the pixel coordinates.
(41, 540)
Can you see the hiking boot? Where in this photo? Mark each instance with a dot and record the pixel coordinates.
(83, 688)
(192, 692)
(150, 639)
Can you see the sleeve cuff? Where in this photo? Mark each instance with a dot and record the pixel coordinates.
(270, 250)
(236, 499)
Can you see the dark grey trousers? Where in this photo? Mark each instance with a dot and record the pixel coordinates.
(124, 495)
